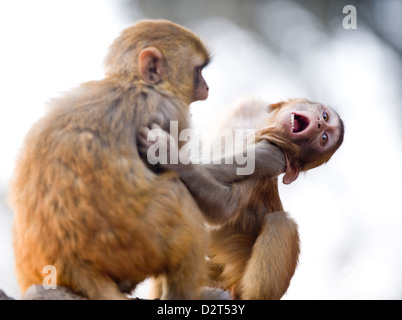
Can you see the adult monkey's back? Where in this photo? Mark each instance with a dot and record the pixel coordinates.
(84, 200)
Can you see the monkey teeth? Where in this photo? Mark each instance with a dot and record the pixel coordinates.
(292, 121)
(299, 122)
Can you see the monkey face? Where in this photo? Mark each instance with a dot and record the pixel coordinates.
(201, 88)
(309, 133)
(162, 54)
(191, 69)
(312, 126)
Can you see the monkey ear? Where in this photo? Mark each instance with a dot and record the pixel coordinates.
(274, 106)
(292, 171)
(150, 65)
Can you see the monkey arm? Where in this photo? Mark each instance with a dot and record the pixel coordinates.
(267, 160)
(209, 186)
(218, 202)
(262, 158)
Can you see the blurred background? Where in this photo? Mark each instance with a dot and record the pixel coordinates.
(348, 211)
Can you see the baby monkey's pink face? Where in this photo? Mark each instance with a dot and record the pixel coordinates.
(308, 132)
(312, 126)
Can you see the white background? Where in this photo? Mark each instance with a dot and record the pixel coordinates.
(348, 211)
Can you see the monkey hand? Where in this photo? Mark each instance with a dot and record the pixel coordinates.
(159, 147)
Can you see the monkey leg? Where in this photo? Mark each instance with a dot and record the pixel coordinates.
(156, 288)
(186, 280)
(182, 244)
(93, 285)
(158, 284)
(103, 289)
(273, 261)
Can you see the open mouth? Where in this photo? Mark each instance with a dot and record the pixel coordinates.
(298, 122)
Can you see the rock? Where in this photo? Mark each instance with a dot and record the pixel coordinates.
(215, 294)
(38, 292)
(3, 296)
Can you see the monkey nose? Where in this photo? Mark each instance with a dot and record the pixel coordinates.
(320, 124)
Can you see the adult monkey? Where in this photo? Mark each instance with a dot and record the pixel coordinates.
(85, 202)
(254, 254)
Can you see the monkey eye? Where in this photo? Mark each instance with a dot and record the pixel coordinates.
(325, 116)
(324, 138)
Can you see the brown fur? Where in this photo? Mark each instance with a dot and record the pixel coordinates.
(254, 252)
(85, 202)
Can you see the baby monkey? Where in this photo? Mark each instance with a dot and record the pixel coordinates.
(254, 253)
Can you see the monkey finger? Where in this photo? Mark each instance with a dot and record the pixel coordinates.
(155, 126)
(157, 132)
(156, 119)
(143, 131)
(142, 135)
(151, 134)
(144, 144)
(144, 140)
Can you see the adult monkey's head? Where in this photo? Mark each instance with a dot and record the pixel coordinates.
(162, 54)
